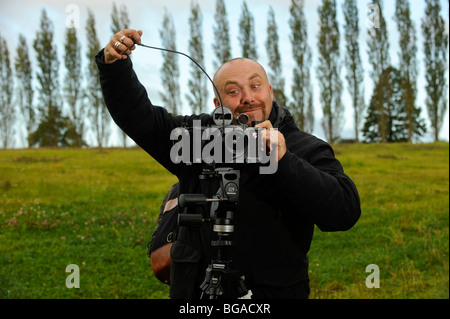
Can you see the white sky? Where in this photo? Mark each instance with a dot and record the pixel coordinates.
(23, 16)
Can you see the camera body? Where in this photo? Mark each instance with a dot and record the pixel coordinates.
(222, 141)
(240, 140)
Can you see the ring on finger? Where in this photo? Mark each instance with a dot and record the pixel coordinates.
(121, 39)
(117, 44)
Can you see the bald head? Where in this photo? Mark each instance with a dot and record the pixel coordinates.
(244, 87)
(236, 63)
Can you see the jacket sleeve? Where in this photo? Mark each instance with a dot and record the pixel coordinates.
(315, 184)
(131, 109)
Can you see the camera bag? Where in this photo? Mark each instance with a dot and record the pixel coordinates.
(162, 237)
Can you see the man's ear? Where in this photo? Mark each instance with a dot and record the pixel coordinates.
(271, 92)
(216, 102)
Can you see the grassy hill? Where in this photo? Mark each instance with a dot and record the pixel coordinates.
(97, 209)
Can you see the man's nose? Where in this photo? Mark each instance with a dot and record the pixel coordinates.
(246, 97)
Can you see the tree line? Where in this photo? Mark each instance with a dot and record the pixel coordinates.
(391, 115)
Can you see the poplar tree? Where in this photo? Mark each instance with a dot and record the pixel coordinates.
(379, 58)
(198, 91)
(247, 36)
(221, 44)
(378, 43)
(408, 67)
(169, 71)
(73, 91)
(329, 71)
(276, 78)
(355, 73)
(98, 114)
(436, 65)
(120, 21)
(119, 18)
(51, 129)
(24, 87)
(7, 110)
(302, 95)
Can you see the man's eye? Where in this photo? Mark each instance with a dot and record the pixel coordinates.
(255, 86)
(233, 92)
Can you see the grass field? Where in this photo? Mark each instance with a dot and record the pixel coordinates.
(97, 209)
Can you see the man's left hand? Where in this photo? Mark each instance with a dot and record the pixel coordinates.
(273, 139)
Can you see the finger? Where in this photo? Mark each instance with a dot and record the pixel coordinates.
(266, 124)
(117, 46)
(125, 38)
(128, 43)
(273, 139)
(130, 34)
(263, 139)
(270, 139)
(138, 36)
(125, 50)
(111, 54)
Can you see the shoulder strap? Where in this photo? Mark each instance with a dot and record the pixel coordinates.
(167, 203)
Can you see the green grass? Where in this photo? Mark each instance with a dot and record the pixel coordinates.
(404, 191)
(97, 209)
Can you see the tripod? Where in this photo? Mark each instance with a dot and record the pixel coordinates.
(221, 280)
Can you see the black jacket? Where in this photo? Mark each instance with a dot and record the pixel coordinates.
(276, 215)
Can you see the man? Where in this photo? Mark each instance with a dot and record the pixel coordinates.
(276, 213)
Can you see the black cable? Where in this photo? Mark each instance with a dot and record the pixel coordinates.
(173, 51)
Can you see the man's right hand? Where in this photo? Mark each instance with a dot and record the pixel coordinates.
(121, 45)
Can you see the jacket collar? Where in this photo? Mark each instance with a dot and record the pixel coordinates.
(277, 114)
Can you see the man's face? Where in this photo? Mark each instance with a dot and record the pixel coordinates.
(244, 88)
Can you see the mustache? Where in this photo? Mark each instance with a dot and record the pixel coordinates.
(246, 107)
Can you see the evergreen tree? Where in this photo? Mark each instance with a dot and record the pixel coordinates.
(407, 64)
(73, 91)
(24, 87)
(98, 114)
(436, 64)
(302, 105)
(198, 91)
(355, 73)
(275, 75)
(221, 44)
(51, 129)
(247, 36)
(329, 71)
(169, 71)
(7, 110)
(385, 118)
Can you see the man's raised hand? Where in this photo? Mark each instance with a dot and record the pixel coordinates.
(121, 45)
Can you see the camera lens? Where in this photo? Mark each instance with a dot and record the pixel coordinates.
(242, 119)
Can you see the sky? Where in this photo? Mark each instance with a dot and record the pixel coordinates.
(23, 16)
